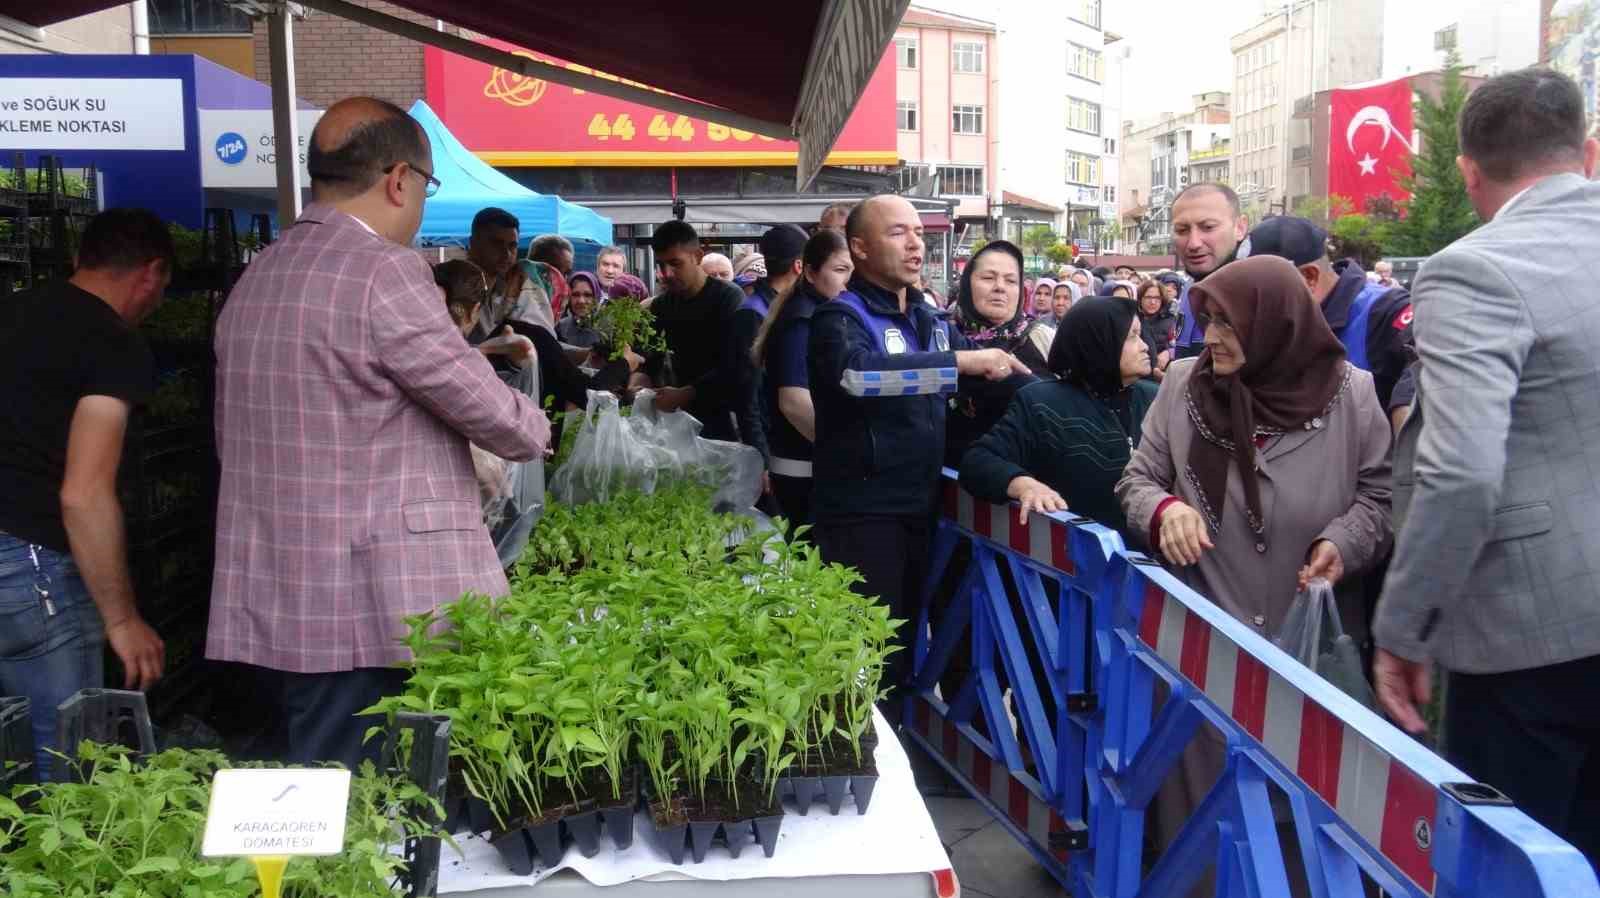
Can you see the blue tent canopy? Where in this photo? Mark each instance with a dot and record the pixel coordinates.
(468, 184)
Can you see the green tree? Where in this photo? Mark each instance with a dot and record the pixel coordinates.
(1360, 237)
(1439, 211)
(1323, 212)
(1061, 253)
(1038, 238)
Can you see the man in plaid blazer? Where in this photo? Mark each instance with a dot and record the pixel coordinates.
(345, 403)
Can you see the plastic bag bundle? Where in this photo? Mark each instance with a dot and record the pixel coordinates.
(612, 454)
(607, 457)
(1313, 634)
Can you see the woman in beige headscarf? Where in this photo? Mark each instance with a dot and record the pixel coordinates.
(1264, 463)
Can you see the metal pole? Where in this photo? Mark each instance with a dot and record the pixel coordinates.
(285, 122)
(141, 27)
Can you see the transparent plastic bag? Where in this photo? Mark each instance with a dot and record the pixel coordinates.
(514, 499)
(1313, 634)
(613, 453)
(607, 458)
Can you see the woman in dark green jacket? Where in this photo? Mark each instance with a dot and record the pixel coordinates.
(1063, 443)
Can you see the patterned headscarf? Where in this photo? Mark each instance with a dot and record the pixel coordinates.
(975, 327)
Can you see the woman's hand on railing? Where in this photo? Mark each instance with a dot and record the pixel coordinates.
(1183, 535)
(1033, 495)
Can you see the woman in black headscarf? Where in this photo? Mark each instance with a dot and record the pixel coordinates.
(990, 311)
(1063, 443)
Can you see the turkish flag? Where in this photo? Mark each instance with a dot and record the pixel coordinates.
(1370, 142)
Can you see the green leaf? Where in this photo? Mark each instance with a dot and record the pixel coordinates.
(50, 841)
(154, 865)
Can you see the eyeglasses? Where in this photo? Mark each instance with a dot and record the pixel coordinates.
(431, 184)
(430, 187)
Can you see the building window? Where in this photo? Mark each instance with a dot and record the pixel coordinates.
(961, 180)
(966, 119)
(910, 175)
(967, 56)
(1083, 169)
(1083, 115)
(197, 17)
(905, 113)
(1111, 146)
(905, 52)
(1109, 193)
(1445, 38)
(1085, 11)
(1085, 62)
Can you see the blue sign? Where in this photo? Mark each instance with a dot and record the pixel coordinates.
(231, 148)
(165, 181)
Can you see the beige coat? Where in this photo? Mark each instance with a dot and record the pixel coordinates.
(1329, 481)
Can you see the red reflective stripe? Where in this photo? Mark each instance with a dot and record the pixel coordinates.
(1409, 802)
(945, 885)
(1060, 554)
(919, 715)
(1017, 801)
(980, 518)
(1250, 694)
(950, 737)
(952, 501)
(980, 771)
(1196, 649)
(1021, 539)
(1321, 744)
(1150, 618)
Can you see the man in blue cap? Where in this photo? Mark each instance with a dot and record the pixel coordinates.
(1371, 320)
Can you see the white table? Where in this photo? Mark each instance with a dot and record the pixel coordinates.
(892, 851)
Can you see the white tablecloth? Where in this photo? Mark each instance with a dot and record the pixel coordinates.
(894, 838)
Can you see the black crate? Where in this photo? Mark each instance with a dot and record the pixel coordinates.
(16, 744)
(107, 716)
(427, 765)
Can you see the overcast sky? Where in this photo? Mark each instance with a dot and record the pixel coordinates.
(1180, 47)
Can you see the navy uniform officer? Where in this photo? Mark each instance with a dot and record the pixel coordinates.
(881, 361)
(780, 248)
(1371, 320)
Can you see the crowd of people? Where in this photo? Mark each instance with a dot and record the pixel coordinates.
(1235, 417)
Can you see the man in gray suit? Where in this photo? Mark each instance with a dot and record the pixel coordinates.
(1496, 574)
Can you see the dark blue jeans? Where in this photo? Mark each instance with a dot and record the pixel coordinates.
(52, 641)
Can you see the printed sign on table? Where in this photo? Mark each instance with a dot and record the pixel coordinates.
(277, 812)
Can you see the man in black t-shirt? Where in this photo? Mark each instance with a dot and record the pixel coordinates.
(695, 316)
(72, 366)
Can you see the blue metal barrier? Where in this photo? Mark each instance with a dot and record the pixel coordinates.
(1309, 773)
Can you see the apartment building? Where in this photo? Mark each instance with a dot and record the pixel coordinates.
(1163, 155)
(946, 109)
(1290, 54)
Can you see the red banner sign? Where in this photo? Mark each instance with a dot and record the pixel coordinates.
(1370, 142)
(508, 119)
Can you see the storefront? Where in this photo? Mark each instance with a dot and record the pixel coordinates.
(631, 162)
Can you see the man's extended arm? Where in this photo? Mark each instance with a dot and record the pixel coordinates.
(95, 532)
